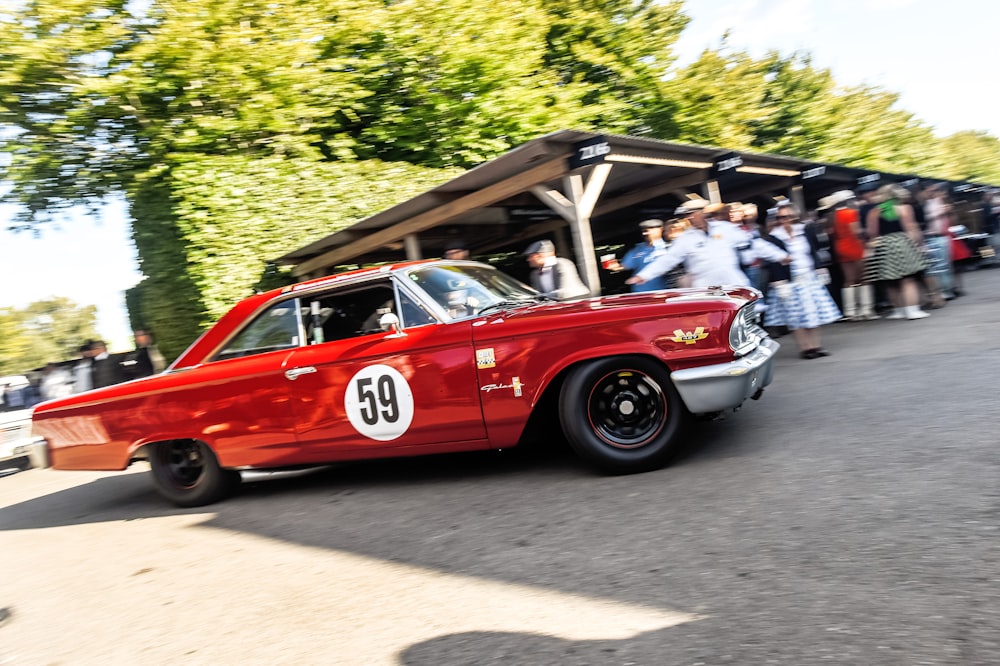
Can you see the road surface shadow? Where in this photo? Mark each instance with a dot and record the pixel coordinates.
(132, 496)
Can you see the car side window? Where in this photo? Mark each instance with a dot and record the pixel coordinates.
(274, 329)
(347, 312)
(413, 313)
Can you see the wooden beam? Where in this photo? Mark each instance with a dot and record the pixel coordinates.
(555, 200)
(638, 196)
(533, 231)
(779, 185)
(584, 198)
(799, 200)
(592, 192)
(712, 189)
(542, 173)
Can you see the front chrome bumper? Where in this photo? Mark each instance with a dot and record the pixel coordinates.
(714, 388)
(38, 452)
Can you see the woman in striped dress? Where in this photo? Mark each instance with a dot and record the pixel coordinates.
(897, 260)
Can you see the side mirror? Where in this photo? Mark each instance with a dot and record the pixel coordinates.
(390, 322)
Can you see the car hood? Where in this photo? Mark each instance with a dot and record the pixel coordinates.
(676, 299)
(604, 310)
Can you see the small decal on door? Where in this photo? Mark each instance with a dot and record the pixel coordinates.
(485, 358)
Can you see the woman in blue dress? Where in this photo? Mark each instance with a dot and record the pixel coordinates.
(797, 298)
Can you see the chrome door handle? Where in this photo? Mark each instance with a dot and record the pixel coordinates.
(295, 372)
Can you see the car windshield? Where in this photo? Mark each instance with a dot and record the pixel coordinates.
(465, 290)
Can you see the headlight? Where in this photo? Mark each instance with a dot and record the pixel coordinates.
(745, 333)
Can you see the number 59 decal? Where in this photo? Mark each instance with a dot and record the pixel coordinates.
(379, 403)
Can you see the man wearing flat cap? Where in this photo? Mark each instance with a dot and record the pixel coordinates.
(644, 253)
(456, 249)
(710, 250)
(554, 276)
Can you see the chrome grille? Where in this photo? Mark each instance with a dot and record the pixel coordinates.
(12, 433)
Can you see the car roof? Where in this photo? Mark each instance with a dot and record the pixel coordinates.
(246, 307)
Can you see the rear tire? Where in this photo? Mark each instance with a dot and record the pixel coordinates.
(187, 473)
(622, 414)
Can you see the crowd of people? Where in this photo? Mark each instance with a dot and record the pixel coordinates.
(882, 251)
(95, 367)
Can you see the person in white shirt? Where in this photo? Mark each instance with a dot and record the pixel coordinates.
(710, 250)
(56, 382)
(82, 377)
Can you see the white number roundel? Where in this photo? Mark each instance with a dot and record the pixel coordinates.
(379, 403)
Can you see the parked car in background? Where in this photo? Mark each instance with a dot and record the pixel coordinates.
(15, 392)
(419, 358)
(16, 443)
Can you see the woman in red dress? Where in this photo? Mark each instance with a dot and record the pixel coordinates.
(857, 297)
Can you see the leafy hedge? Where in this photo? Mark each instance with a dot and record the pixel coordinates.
(207, 228)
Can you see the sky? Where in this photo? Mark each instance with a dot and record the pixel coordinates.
(938, 56)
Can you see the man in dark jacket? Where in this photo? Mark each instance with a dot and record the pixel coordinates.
(105, 370)
(145, 360)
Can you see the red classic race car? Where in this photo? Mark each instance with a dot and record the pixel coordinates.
(418, 358)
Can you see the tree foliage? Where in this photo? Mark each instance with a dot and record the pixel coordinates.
(45, 331)
(719, 98)
(211, 223)
(101, 91)
(971, 156)
(784, 105)
(99, 94)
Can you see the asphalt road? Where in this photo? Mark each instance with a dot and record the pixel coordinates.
(848, 517)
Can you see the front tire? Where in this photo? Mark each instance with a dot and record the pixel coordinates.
(187, 473)
(622, 414)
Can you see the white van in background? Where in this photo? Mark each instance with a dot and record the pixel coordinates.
(16, 443)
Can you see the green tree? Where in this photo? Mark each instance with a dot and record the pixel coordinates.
(15, 343)
(869, 130)
(972, 156)
(622, 50)
(100, 92)
(457, 82)
(718, 100)
(45, 331)
(109, 96)
(782, 104)
(796, 107)
(210, 225)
